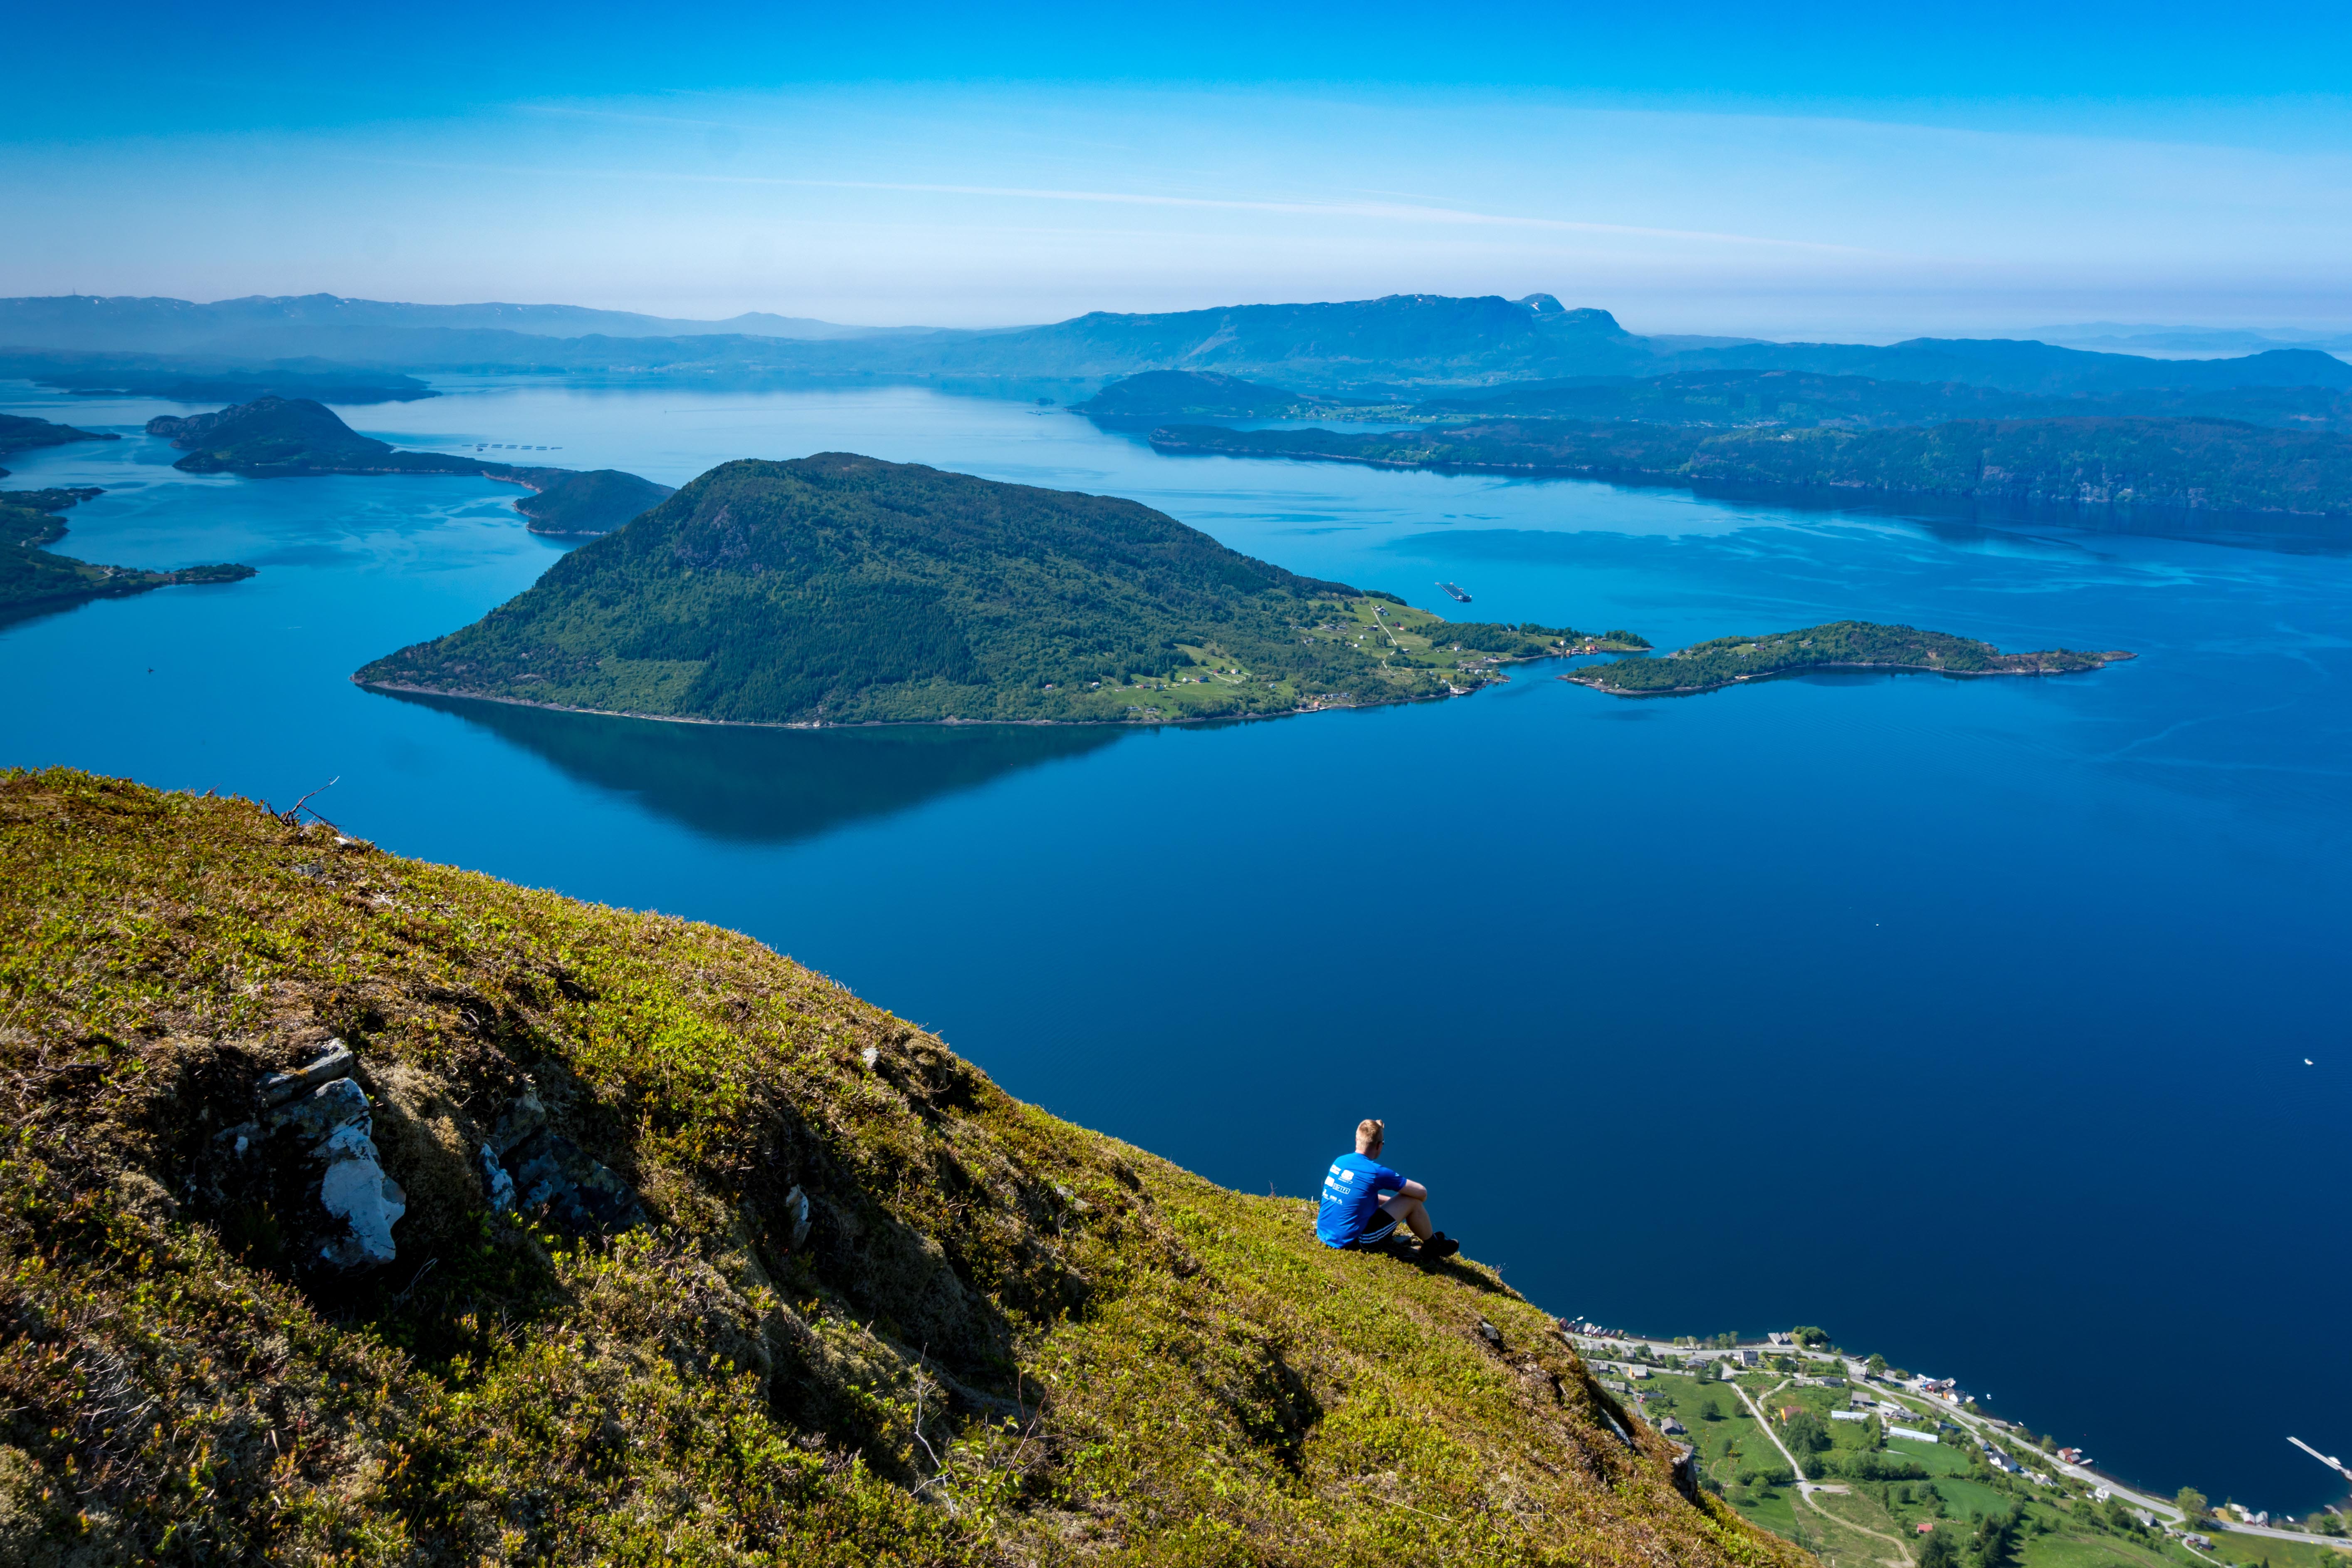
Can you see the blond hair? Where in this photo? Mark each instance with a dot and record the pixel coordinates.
(1371, 1134)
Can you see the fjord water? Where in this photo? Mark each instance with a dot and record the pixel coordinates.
(1967, 1018)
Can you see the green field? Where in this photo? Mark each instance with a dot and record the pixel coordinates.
(1863, 1522)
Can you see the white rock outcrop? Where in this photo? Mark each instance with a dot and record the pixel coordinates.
(355, 1189)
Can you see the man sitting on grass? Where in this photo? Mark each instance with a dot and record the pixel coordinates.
(1364, 1200)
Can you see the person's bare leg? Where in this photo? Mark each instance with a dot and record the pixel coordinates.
(1413, 1213)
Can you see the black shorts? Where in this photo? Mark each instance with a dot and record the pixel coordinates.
(1382, 1225)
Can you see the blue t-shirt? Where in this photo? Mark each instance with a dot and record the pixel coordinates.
(1353, 1188)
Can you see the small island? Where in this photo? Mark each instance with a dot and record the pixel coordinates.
(32, 577)
(1839, 645)
(840, 589)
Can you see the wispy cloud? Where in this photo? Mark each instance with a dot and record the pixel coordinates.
(1387, 212)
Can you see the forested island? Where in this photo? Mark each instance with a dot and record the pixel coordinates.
(1838, 645)
(841, 589)
(30, 575)
(2216, 464)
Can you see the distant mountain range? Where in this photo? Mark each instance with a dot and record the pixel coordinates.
(1365, 349)
(2147, 338)
(147, 325)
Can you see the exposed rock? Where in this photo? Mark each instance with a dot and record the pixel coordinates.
(545, 1169)
(356, 1190)
(796, 1215)
(1685, 1471)
(499, 1185)
(316, 1117)
(337, 1062)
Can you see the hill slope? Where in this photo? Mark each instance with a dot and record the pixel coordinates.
(841, 589)
(776, 1279)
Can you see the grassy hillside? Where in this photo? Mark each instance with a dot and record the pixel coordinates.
(841, 589)
(1839, 645)
(840, 1299)
(2205, 464)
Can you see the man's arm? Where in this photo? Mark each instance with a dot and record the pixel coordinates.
(1394, 1183)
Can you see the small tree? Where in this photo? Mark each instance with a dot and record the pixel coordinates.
(2192, 1503)
(1876, 1366)
(1937, 1551)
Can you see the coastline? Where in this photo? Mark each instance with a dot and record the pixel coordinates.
(1678, 479)
(929, 723)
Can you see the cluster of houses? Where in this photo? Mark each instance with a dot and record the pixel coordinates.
(1943, 1388)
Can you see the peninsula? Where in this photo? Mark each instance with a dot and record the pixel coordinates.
(2200, 464)
(272, 438)
(841, 589)
(31, 576)
(467, 1223)
(596, 503)
(1157, 396)
(20, 433)
(1838, 645)
(280, 437)
(183, 378)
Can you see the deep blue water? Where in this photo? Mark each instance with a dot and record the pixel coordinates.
(1967, 1019)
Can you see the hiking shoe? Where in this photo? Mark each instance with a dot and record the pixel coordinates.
(1440, 1245)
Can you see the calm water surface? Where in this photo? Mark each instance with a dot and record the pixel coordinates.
(1968, 1019)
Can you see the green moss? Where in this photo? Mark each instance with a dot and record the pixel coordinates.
(1006, 1338)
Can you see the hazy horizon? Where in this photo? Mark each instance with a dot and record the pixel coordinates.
(1851, 176)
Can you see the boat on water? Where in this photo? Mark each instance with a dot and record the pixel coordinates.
(1457, 593)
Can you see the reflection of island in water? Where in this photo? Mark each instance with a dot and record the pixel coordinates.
(772, 786)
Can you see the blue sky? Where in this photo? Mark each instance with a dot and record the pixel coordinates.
(1842, 171)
